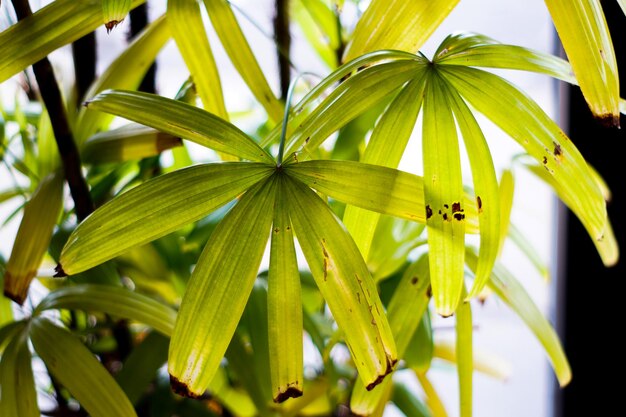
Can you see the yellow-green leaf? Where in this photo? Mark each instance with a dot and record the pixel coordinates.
(116, 301)
(48, 29)
(585, 36)
(506, 191)
(345, 283)
(397, 24)
(76, 368)
(484, 362)
(284, 308)
(19, 397)
(432, 398)
(405, 399)
(191, 39)
(218, 289)
(154, 209)
(114, 12)
(443, 195)
(41, 214)
(180, 119)
(465, 355)
(239, 51)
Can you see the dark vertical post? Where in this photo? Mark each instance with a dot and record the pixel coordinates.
(138, 21)
(591, 297)
(84, 54)
(283, 45)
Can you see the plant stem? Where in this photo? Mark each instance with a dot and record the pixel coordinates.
(84, 54)
(283, 45)
(51, 96)
(138, 21)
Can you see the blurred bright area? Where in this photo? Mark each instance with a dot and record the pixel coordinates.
(500, 337)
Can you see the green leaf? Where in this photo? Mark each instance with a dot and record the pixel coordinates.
(126, 143)
(585, 36)
(509, 290)
(529, 250)
(76, 368)
(387, 191)
(41, 214)
(474, 50)
(114, 12)
(239, 51)
(154, 209)
(523, 120)
(125, 73)
(484, 362)
(407, 401)
(506, 191)
(404, 312)
(351, 98)
(116, 301)
(397, 24)
(344, 281)
(191, 39)
(443, 195)
(419, 354)
(320, 34)
(485, 188)
(385, 147)
(432, 398)
(204, 329)
(465, 355)
(48, 29)
(180, 119)
(284, 308)
(19, 397)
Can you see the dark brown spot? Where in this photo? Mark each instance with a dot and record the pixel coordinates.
(358, 297)
(439, 211)
(181, 388)
(545, 160)
(59, 272)
(414, 280)
(429, 292)
(110, 25)
(459, 216)
(288, 228)
(429, 212)
(389, 369)
(608, 120)
(277, 230)
(445, 216)
(479, 202)
(456, 207)
(446, 206)
(307, 140)
(290, 392)
(558, 152)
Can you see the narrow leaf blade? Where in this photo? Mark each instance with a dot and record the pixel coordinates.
(19, 397)
(465, 356)
(114, 12)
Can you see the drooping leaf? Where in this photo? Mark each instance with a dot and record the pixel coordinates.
(344, 281)
(397, 24)
(284, 308)
(33, 237)
(523, 120)
(191, 39)
(407, 401)
(509, 290)
(114, 12)
(180, 119)
(126, 143)
(484, 362)
(585, 36)
(19, 397)
(506, 191)
(419, 353)
(76, 368)
(55, 25)
(432, 398)
(203, 330)
(239, 51)
(154, 209)
(116, 301)
(465, 355)
(528, 249)
(385, 147)
(443, 196)
(319, 33)
(125, 72)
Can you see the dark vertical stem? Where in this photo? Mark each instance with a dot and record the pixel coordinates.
(138, 21)
(283, 45)
(51, 96)
(84, 54)
(591, 294)
(341, 46)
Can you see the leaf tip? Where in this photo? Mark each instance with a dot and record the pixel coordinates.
(292, 391)
(609, 120)
(391, 362)
(111, 24)
(181, 388)
(59, 272)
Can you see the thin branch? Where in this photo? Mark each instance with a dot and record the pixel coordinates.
(51, 96)
(138, 21)
(282, 36)
(84, 54)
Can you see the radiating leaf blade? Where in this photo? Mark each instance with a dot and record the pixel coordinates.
(180, 119)
(19, 397)
(191, 39)
(465, 355)
(154, 209)
(585, 36)
(116, 301)
(397, 24)
(33, 237)
(76, 368)
(203, 330)
(344, 281)
(523, 120)
(239, 51)
(443, 197)
(57, 24)
(284, 307)
(114, 12)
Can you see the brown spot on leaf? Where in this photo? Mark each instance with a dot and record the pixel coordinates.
(429, 212)
(446, 206)
(290, 392)
(545, 160)
(414, 280)
(456, 207)
(459, 216)
(181, 388)
(479, 202)
(110, 25)
(277, 230)
(445, 216)
(558, 152)
(429, 292)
